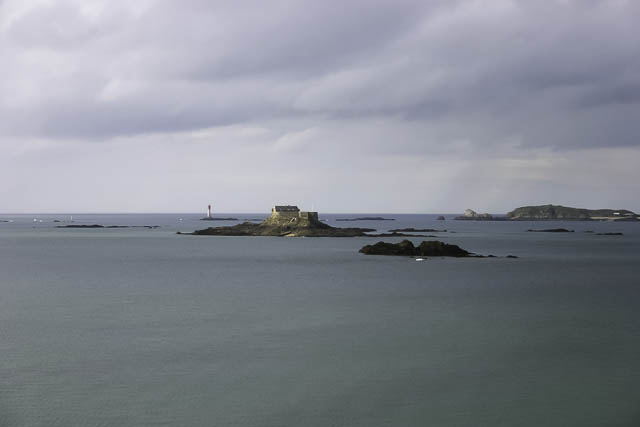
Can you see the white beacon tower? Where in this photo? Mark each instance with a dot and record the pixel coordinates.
(209, 211)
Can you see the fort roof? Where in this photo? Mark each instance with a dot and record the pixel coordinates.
(287, 208)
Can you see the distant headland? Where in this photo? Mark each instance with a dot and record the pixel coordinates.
(554, 213)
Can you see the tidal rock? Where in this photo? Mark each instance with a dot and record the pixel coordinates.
(406, 248)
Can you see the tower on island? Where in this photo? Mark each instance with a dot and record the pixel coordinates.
(209, 211)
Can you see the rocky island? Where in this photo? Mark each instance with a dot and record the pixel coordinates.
(433, 248)
(564, 213)
(554, 212)
(471, 215)
(285, 221)
(289, 221)
(406, 248)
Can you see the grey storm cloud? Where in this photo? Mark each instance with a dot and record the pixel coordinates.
(359, 105)
(559, 73)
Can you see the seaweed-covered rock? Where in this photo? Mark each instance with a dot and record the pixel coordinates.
(283, 229)
(406, 248)
(437, 248)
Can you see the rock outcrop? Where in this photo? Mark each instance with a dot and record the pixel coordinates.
(472, 215)
(266, 228)
(432, 248)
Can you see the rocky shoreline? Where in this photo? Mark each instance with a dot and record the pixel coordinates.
(281, 230)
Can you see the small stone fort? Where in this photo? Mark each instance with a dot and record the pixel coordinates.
(288, 214)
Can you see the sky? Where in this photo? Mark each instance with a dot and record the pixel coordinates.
(338, 106)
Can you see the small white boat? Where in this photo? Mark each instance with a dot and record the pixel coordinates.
(419, 259)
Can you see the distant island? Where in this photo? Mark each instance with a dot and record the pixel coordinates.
(471, 215)
(289, 221)
(554, 213)
(557, 212)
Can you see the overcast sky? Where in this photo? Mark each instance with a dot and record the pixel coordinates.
(343, 106)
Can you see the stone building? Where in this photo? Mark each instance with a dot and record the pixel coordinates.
(289, 213)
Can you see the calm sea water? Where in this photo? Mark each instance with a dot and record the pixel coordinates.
(137, 327)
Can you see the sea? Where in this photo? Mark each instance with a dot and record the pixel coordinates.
(144, 327)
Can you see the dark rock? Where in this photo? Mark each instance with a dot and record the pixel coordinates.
(609, 234)
(551, 230)
(441, 218)
(511, 256)
(437, 248)
(406, 248)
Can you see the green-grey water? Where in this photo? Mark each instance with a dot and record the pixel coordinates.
(137, 327)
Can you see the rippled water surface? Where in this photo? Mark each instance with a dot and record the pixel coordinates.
(136, 326)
